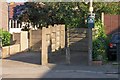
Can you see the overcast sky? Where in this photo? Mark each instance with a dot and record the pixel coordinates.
(16, 0)
(64, 0)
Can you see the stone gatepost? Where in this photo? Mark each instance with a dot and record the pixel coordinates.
(24, 40)
(44, 55)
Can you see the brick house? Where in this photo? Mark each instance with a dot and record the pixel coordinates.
(11, 8)
(112, 23)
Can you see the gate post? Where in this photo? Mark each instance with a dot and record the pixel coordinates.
(102, 18)
(67, 48)
(24, 40)
(44, 54)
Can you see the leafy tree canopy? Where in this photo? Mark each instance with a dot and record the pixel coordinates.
(72, 14)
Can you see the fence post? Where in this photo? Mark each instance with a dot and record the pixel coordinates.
(30, 39)
(24, 40)
(16, 24)
(102, 18)
(57, 37)
(68, 48)
(62, 36)
(12, 24)
(44, 55)
(53, 39)
(19, 25)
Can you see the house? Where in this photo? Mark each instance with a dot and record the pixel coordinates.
(6, 13)
(11, 8)
(14, 26)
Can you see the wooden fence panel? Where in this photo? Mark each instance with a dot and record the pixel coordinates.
(35, 40)
(53, 39)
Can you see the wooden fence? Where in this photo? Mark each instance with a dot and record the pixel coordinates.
(53, 37)
(35, 40)
(21, 44)
(15, 26)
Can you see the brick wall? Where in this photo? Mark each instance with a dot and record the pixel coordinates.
(112, 23)
(4, 15)
(11, 8)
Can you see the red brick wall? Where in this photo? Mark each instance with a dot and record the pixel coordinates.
(112, 23)
(4, 15)
(11, 8)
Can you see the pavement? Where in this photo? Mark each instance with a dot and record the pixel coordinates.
(15, 68)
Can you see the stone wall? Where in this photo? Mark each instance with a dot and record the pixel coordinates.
(10, 50)
(20, 46)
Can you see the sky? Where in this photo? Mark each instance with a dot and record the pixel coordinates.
(64, 0)
(16, 0)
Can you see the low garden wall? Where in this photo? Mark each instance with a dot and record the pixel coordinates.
(10, 50)
(20, 46)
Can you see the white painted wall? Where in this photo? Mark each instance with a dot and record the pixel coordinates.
(15, 30)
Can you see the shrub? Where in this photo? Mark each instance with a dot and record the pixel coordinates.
(100, 42)
(6, 36)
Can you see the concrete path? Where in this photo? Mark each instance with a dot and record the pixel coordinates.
(15, 68)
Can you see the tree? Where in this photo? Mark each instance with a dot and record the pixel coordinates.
(72, 14)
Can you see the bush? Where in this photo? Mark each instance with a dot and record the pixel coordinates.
(6, 36)
(100, 42)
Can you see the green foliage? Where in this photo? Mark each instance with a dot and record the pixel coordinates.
(112, 8)
(5, 37)
(72, 14)
(100, 42)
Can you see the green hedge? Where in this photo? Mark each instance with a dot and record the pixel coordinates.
(5, 36)
(100, 41)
